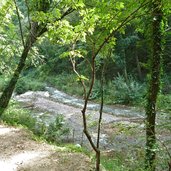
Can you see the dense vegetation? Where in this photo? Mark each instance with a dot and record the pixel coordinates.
(114, 52)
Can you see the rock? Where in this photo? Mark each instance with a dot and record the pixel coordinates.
(78, 145)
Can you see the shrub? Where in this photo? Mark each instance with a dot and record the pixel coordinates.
(165, 84)
(96, 91)
(164, 102)
(18, 116)
(67, 83)
(24, 84)
(130, 92)
(109, 93)
(56, 129)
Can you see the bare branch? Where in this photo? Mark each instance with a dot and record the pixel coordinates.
(86, 102)
(86, 97)
(168, 29)
(101, 105)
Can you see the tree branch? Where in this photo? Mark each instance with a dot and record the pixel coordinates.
(101, 106)
(19, 20)
(28, 14)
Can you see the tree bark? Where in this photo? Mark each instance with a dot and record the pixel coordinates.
(98, 160)
(154, 83)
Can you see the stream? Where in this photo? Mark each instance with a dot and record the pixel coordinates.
(45, 106)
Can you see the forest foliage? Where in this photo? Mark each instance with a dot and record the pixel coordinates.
(125, 55)
(68, 42)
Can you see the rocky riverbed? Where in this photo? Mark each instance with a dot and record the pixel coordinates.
(47, 105)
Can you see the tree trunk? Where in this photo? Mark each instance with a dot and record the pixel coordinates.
(7, 93)
(138, 66)
(154, 83)
(98, 160)
(125, 66)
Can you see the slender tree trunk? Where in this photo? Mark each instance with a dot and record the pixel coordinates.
(7, 93)
(125, 66)
(98, 161)
(138, 66)
(154, 83)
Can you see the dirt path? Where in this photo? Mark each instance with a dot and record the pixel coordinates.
(20, 153)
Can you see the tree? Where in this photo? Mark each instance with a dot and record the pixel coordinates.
(97, 27)
(154, 82)
(35, 30)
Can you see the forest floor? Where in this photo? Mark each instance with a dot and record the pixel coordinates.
(19, 152)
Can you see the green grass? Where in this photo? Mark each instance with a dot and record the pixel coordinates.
(78, 149)
(111, 164)
(16, 116)
(164, 102)
(123, 163)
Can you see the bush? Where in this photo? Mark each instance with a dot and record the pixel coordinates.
(22, 86)
(165, 84)
(164, 102)
(56, 129)
(96, 91)
(67, 83)
(130, 92)
(17, 116)
(25, 84)
(109, 93)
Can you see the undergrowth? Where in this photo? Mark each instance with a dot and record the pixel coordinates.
(25, 84)
(16, 116)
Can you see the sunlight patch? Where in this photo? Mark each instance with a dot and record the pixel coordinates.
(15, 161)
(6, 130)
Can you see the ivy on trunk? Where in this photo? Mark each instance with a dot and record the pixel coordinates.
(154, 82)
